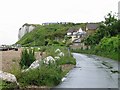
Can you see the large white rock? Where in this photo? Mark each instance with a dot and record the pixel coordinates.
(61, 54)
(57, 50)
(49, 59)
(57, 57)
(38, 49)
(34, 65)
(8, 77)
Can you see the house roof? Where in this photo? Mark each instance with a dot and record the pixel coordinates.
(92, 26)
(71, 30)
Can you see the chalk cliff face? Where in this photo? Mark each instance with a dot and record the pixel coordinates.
(26, 28)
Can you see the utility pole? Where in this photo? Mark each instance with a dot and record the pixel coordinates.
(69, 51)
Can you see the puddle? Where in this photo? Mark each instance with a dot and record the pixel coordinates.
(100, 67)
(107, 65)
(114, 71)
(77, 67)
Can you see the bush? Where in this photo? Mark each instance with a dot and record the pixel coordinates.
(43, 49)
(66, 60)
(27, 58)
(49, 75)
(4, 85)
(55, 42)
(107, 47)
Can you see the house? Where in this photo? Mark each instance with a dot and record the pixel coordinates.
(75, 33)
(91, 28)
(78, 35)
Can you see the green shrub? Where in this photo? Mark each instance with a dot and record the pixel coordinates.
(27, 58)
(66, 60)
(4, 85)
(46, 75)
(55, 42)
(43, 49)
(107, 47)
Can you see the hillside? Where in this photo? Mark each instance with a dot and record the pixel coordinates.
(44, 34)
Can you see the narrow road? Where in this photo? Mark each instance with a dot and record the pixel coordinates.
(92, 72)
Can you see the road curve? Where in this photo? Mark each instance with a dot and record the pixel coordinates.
(92, 72)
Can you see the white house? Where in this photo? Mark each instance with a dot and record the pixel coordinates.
(75, 33)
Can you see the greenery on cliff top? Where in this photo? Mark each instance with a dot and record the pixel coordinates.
(46, 34)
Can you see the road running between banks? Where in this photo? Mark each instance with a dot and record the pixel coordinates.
(92, 71)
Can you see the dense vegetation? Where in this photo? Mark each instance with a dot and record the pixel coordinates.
(105, 41)
(45, 35)
(108, 47)
(47, 75)
(108, 28)
(27, 58)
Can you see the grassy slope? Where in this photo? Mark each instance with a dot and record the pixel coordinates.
(41, 34)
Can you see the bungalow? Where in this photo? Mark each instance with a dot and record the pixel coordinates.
(91, 28)
(71, 31)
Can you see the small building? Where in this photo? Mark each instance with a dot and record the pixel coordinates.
(91, 28)
(75, 33)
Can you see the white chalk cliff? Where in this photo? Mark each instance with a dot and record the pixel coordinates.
(26, 28)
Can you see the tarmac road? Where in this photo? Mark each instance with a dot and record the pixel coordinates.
(92, 71)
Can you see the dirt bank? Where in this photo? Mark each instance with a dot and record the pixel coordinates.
(10, 59)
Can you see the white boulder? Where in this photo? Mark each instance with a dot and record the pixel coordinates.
(57, 57)
(32, 47)
(38, 49)
(57, 50)
(49, 59)
(34, 65)
(8, 77)
(61, 54)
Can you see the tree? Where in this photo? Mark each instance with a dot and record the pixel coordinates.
(108, 28)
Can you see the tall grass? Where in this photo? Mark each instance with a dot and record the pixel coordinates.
(27, 58)
(46, 75)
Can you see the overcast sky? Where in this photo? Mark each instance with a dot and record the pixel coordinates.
(14, 13)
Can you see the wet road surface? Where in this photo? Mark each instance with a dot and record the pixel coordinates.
(92, 72)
